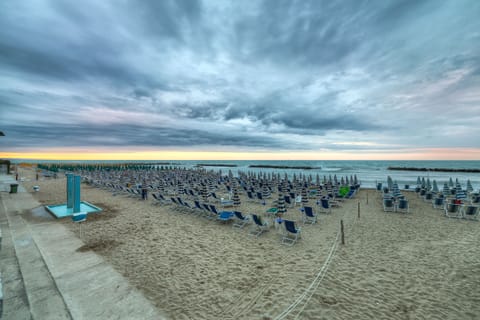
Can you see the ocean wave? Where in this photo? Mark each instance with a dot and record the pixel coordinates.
(331, 169)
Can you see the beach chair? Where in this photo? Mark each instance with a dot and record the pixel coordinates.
(213, 211)
(292, 233)
(240, 220)
(157, 199)
(259, 226)
(452, 210)
(428, 196)
(388, 205)
(288, 201)
(298, 200)
(260, 198)
(325, 206)
(208, 212)
(351, 193)
(309, 216)
(403, 206)
(198, 207)
(439, 203)
(470, 212)
(475, 199)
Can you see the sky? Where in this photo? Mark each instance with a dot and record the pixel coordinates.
(274, 79)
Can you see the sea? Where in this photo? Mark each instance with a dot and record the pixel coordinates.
(368, 172)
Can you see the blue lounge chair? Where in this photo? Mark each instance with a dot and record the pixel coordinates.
(292, 233)
(452, 210)
(403, 206)
(470, 212)
(438, 203)
(388, 205)
(288, 201)
(259, 226)
(213, 211)
(309, 216)
(325, 206)
(240, 220)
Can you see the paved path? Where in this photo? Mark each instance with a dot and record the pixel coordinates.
(42, 276)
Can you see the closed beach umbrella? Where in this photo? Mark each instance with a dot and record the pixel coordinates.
(419, 181)
(161, 187)
(204, 192)
(304, 197)
(450, 183)
(265, 191)
(435, 187)
(281, 203)
(236, 197)
(446, 189)
(460, 194)
(389, 182)
(180, 186)
(429, 184)
(469, 186)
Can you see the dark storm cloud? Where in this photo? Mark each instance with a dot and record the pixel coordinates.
(247, 74)
(127, 135)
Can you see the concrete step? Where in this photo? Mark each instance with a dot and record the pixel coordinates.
(26, 268)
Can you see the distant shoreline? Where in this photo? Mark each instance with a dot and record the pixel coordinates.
(282, 167)
(433, 169)
(215, 165)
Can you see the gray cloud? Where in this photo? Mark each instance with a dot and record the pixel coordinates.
(273, 74)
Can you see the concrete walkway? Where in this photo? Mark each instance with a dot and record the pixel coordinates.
(42, 276)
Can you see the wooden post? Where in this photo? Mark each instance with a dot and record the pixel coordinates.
(341, 230)
(367, 196)
(359, 209)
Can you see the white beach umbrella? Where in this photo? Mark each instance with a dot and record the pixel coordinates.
(469, 186)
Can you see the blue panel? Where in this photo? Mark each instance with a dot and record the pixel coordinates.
(70, 193)
(76, 198)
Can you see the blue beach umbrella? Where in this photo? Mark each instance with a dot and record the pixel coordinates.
(460, 195)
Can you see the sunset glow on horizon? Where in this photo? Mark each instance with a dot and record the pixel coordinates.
(437, 154)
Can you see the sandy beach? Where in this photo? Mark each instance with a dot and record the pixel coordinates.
(420, 265)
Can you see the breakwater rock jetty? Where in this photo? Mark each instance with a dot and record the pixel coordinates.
(282, 167)
(215, 165)
(434, 169)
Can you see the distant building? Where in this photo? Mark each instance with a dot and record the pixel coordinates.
(4, 166)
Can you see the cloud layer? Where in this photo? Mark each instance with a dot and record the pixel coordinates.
(257, 75)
